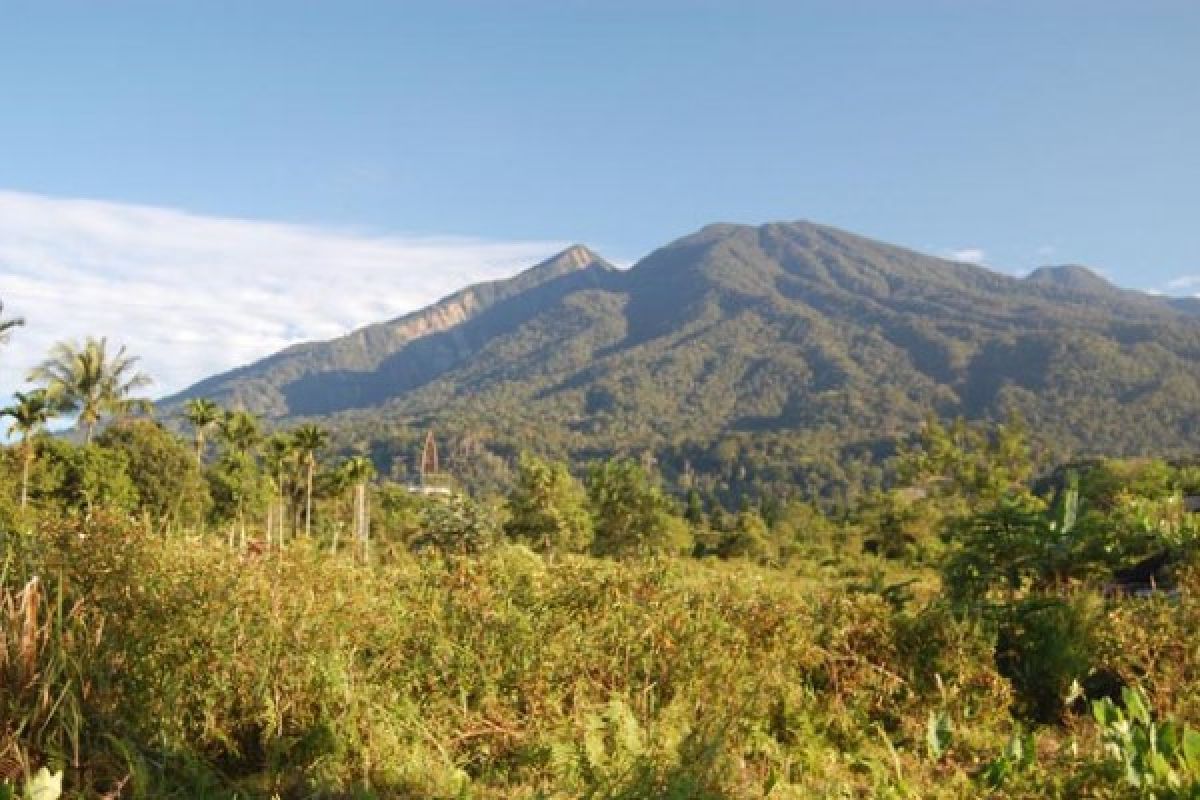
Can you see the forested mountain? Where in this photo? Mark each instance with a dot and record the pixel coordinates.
(740, 350)
(361, 369)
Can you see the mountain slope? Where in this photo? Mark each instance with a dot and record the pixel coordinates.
(360, 368)
(786, 332)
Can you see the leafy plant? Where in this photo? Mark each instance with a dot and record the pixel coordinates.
(1019, 756)
(939, 733)
(632, 515)
(42, 785)
(1158, 759)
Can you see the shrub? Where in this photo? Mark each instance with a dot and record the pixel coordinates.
(455, 525)
(631, 513)
(548, 508)
(1043, 647)
(170, 484)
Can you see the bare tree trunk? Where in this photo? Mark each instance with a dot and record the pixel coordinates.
(308, 504)
(362, 520)
(25, 475)
(357, 516)
(366, 544)
(282, 513)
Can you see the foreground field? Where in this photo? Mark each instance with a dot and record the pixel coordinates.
(175, 667)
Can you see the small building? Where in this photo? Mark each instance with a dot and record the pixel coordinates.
(429, 490)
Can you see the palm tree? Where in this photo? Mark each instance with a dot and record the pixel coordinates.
(202, 414)
(357, 472)
(6, 325)
(30, 414)
(89, 381)
(240, 432)
(308, 439)
(279, 454)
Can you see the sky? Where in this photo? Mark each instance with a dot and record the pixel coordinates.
(208, 181)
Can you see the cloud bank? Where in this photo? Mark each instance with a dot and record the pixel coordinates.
(968, 255)
(193, 295)
(1184, 283)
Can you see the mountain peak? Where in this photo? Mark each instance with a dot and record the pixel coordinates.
(575, 258)
(787, 327)
(578, 254)
(1069, 276)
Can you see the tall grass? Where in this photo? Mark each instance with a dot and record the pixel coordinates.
(43, 681)
(175, 667)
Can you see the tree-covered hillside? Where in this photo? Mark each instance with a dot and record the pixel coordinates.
(244, 614)
(790, 337)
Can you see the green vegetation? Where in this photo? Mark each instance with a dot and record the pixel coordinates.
(548, 509)
(264, 614)
(30, 413)
(88, 381)
(743, 361)
(203, 415)
(1158, 758)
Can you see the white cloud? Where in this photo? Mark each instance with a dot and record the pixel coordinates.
(193, 295)
(1183, 282)
(969, 255)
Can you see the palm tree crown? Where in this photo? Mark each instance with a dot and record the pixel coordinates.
(358, 469)
(240, 431)
(30, 414)
(308, 439)
(202, 414)
(6, 325)
(90, 381)
(278, 452)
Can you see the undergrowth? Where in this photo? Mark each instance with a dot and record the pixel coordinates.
(148, 666)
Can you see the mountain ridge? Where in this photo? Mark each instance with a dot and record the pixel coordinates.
(789, 329)
(370, 343)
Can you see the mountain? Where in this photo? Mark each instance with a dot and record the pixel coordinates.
(1070, 278)
(791, 350)
(360, 368)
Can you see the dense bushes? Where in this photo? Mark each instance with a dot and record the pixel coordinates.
(498, 675)
(1044, 645)
(641, 653)
(174, 666)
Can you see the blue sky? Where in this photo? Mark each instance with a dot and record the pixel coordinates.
(1017, 133)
